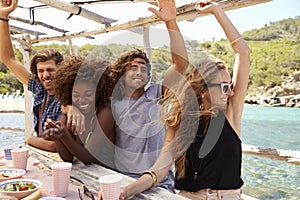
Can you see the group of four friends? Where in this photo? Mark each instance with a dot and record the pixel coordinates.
(109, 114)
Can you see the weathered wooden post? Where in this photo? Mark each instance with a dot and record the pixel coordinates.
(25, 48)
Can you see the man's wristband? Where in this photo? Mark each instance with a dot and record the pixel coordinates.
(2, 19)
(153, 175)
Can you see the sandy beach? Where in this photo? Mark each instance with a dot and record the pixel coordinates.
(12, 104)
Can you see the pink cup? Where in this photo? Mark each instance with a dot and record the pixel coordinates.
(61, 172)
(110, 186)
(19, 158)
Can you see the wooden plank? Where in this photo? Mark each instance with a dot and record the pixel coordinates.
(76, 10)
(23, 30)
(25, 48)
(247, 197)
(5, 128)
(38, 23)
(81, 2)
(186, 12)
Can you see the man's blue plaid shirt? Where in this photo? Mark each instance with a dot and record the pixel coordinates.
(52, 108)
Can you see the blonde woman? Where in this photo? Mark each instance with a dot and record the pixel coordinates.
(204, 124)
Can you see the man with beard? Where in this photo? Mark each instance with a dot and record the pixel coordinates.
(43, 67)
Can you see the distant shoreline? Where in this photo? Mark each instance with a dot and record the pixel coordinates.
(16, 105)
(11, 104)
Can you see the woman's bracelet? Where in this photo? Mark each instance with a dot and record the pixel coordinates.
(153, 175)
(2, 19)
(234, 41)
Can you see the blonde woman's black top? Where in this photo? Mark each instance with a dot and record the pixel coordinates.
(213, 159)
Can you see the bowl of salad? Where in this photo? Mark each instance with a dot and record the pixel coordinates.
(19, 188)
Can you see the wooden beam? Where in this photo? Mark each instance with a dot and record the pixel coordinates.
(5, 128)
(76, 10)
(25, 49)
(23, 30)
(137, 30)
(110, 1)
(37, 23)
(186, 12)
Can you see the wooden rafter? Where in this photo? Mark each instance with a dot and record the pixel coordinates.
(23, 30)
(77, 10)
(109, 1)
(186, 12)
(38, 23)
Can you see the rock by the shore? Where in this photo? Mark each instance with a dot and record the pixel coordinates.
(286, 94)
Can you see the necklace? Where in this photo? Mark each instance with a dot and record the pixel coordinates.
(197, 146)
(194, 169)
(92, 124)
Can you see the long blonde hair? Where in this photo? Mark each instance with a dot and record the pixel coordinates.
(183, 107)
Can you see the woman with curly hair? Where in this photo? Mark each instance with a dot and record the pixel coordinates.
(204, 124)
(86, 85)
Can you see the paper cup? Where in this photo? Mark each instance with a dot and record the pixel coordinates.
(61, 172)
(110, 186)
(7, 153)
(19, 158)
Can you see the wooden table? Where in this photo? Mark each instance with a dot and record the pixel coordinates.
(39, 168)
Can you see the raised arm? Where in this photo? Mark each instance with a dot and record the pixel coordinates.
(7, 55)
(241, 68)
(167, 13)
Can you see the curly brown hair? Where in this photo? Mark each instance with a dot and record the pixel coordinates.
(185, 107)
(79, 68)
(43, 56)
(122, 63)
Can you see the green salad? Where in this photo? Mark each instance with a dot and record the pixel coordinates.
(18, 186)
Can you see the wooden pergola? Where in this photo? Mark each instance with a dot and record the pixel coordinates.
(184, 12)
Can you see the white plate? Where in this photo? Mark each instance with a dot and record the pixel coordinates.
(52, 198)
(6, 174)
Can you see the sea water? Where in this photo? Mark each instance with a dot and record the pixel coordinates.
(272, 127)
